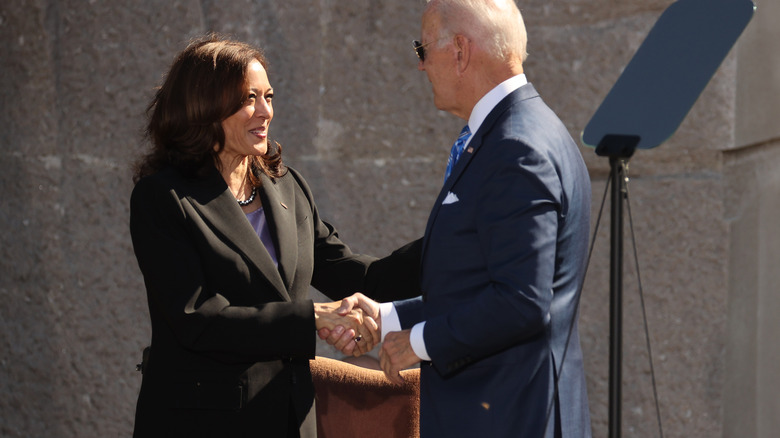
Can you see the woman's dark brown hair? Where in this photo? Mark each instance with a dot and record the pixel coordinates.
(205, 85)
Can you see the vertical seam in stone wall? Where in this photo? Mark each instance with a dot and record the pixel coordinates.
(53, 25)
(204, 20)
(324, 18)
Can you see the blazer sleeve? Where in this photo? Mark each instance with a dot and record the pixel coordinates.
(396, 276)
(173, 255)
(338, 272)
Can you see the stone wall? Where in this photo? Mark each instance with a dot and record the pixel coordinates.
(356, 117)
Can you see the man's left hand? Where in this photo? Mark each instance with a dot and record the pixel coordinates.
(396, 355)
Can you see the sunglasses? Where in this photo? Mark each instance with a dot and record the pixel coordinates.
(419, 49)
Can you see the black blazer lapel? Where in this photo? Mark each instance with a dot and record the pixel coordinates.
(219, 209)
(278, 198)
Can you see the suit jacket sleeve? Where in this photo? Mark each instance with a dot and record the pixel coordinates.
(396, 276)
(338, 272)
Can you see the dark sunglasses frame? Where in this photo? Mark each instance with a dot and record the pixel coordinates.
(419, 49)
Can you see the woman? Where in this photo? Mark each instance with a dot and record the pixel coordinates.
(228, 240)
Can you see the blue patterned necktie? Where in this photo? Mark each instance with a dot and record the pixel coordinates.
(457, 150)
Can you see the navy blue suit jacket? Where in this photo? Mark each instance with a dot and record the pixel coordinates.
(503, 259)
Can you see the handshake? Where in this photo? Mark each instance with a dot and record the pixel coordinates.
(354, 327)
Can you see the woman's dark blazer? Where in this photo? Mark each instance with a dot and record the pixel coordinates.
(231, 333)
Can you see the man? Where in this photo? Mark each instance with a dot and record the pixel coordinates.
(504, 251)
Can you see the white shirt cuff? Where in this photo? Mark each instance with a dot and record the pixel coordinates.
(389, 319)
(417, 341)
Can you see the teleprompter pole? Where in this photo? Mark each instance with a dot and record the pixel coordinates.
(619, 148)
(616, 296)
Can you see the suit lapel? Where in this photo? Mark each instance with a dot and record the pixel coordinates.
(219, 209)
(473, 147)
(278, 203)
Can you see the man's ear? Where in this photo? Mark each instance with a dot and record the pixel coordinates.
(463, 47)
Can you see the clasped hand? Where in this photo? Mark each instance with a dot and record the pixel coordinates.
(396, 354)
(354, 329)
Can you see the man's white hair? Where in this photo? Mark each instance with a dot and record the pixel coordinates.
(494, 25)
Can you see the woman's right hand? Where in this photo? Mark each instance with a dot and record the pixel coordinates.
(364, 330)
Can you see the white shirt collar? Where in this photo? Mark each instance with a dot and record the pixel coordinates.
(491, 99)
